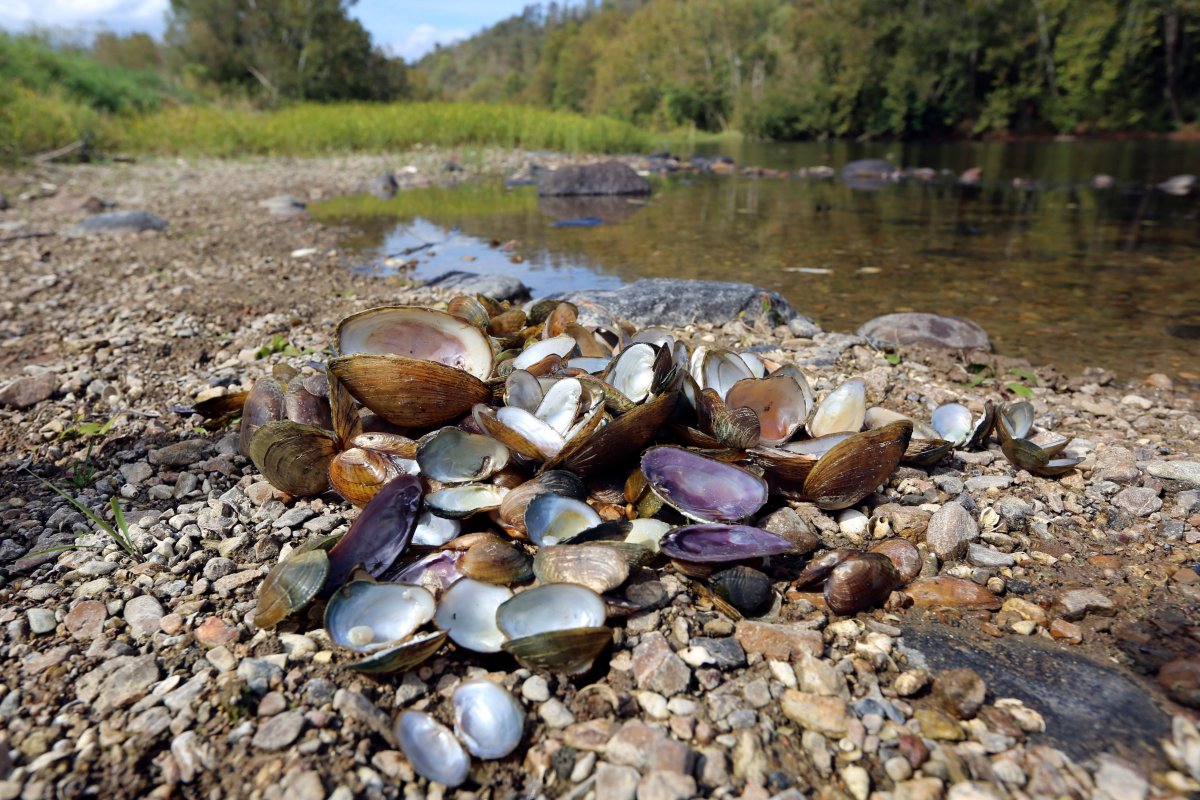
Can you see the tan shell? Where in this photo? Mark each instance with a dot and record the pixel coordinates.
(853, 468)
(596, 566)
(494, 560)
(417, 333)
(571, 651)
(358, 474)
(903, 554)
(294, 457)
(410, 392)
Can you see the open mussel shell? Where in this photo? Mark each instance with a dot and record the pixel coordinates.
(734, 427)
(435, 572)
(903, 554)
(497, 561)
(512, 509)
(520, 431)
(307, 401)
(416, 333)
(409, 392)
(550, 607)
(1024, 454)
(861, 581)
(926, 452)
(722, 543)
(469, 310)
(488, 720)
(647, 532)
(401, 657)
(381, 533)
(718, 369)
(571, 651)
(435, 753)
(701, 488)
(468, 613)
(522, 390)
(294, 457)
(292, 583)
(434, 531)
(623, 436)
(842, 410)
(746, 589)
(367, 616)
(458, 502)
(632, 372)
(452, 456)
(777, 400)
(599, 567)
(853, 468)
(817, 570)
(953, 422)
(552, 518)
(358, 475)
(1014, 421)
(264, 403)
(557, 346)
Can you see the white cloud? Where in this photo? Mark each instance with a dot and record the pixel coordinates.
(117, 15)
(421, 39)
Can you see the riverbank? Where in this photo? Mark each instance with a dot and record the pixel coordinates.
(145, 678)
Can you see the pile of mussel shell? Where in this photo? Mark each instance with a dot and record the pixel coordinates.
(522, 476)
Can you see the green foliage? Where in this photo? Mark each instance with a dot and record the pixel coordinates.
(278, 344)
(119, 534)
(1022, 387)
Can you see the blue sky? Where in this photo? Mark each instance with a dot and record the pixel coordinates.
(408, 29)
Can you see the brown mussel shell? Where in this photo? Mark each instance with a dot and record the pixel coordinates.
(404, 656)
(818, 569)
(293, 583)
(622, 437)
(853, 468)
(571, 651)
(294, 457)
(598, 567)
(358, 475)
(862, 581)
(491, 559)
(409, 392)
(926, 452)
(746, 589)
(263, 404)
(904, 555)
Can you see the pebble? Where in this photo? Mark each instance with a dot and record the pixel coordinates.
(983, 556)
(1138, 501)
(216, 632)
(180, 454)
(919, 789)
(960, 692)
(938, 725)
(272, 703)
(118, 682)
(777, 641)
(1117, 779)
(616, 782)
(28, 391)
(828, 716)
(258, 674)
(664, 785)
(653, 704)
(136, 473)
(949, 531)
(555, 714)
(656, 666)
(981, 483)
(221, 658)
(853, 523)
(144, 614)
(1077, 603)
(1115, 463)
(219, 567)
(293, 517)
(535, 689)
(857, 780)
(1184, 472)
(910, 682)
(41, 620)
(279, 731)
(85, 620)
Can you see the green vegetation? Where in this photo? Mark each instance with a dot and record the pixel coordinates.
(789, 69)
(120, 534)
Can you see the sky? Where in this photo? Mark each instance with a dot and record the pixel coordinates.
(407, 29)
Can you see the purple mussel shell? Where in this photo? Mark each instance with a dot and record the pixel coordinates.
(702, 488)
(381, 532)
(717, 543)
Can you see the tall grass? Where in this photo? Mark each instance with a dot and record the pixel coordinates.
(311, 129)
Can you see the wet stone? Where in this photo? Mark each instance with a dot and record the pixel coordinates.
(143, 614)
(950, 529)
(279, 731)
(86, 619)
(1138, 501)
(656, 666)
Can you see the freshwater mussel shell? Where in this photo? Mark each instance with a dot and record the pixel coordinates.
(853, 468)
(734, 427)
(292, 583)
(294, 457)
(388, 612)
(416, 333)
(571, 651)
(551, 518)
(511, 513)
(381, 533)
(926, 452)
(715, 543)
(842, 410)
(497, 561)
(817, 569)
(550, 607)
(401, 657)
(264, 403)
(1025, 454)
(489, 721)
(1014, 421)
(409, 392)
(599, 567)
(435, 753)
(778, 401)
(465, 499)
(861, 581)
(467, 612)
(746, 589)
(701, 488)
(903, 554)
(452, 456)
(358, 474)
(623, 436)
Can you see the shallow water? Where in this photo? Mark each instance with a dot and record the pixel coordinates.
(1056, 272)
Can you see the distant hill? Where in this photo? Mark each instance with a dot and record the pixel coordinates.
(871, 68)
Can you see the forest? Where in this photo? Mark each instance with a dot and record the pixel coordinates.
(792, 69)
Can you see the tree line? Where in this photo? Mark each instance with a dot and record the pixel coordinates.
(867, 68)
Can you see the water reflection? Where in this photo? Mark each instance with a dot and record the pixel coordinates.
(1057, 272)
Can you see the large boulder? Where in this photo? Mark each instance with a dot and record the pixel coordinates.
(498, 285)
(608, 177)
(918, 329)
(675, 302)
(119, 222)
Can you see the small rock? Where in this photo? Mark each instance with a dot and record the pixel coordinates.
(28, 391)
(497, 285)
(663, 785)
(1183, 472)
(86, 620)
(272, 703)
(215, 632)
(221, 658)
(118, 222)
(604, 178)
(126, 680)
(950, 529)
(1115, 463)
(616, 783)
(136, 473)
(984, 556)
(180, 454)
(279, 731)
(981, 483)
(143, 614)
(1077, 603)
(41, 620)
(1181, 679)
(828, 716)
(354, 706)
(857, 780)
(723, 653)
(938, 725)
(910, 682)
(656, 666)
(925, 330)
(259, 674)
(555, 714)
(778, 641)
(1138, 501)
(919, 789)
(960, 691)
(219, 567)
(1117, 779)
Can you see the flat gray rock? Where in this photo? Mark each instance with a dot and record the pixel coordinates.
(607, 177)
(119, 222)
(498, 286)
(925, 330)
(284, 205)
(675, 302)
(1186, 473)
(29, 390)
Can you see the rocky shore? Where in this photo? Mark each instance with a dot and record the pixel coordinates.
(1071, 667)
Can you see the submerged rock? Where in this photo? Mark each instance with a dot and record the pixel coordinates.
(608, 177)
(925, 330)
(675, 302)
